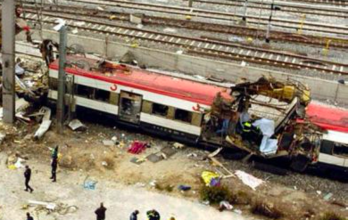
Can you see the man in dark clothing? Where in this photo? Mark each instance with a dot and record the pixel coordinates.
(29, 217)
(27, 176)
(134, 215)
(153, 215)
(100, 212)
(54, 165)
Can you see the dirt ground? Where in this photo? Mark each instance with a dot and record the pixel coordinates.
(297, 196)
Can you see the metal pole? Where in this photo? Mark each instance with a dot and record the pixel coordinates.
(61, 78)
(269, 25)
(8, 60)
(245, 9)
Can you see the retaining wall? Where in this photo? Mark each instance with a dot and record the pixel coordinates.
(320, 89)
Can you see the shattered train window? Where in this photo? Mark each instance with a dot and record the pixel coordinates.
(53, 83)
(341, 149)
(102, 95)
(183, 115)
(84, 91)
(159, 109)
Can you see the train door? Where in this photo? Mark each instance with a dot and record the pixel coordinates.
(130, 107)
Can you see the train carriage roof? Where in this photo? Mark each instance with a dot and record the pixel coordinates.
(150, 81)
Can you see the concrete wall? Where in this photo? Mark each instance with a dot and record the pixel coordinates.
(321, 89)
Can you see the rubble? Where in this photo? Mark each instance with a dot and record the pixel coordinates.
(76, 125)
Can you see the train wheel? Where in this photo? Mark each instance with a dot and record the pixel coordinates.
(300, 163)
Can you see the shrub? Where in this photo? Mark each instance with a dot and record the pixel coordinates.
(261, 208)
(332, 216)
(214, 194)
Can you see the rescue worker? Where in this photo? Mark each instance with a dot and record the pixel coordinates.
(55, 152)
(29, 217)
(54, 165)
(153, 215)
(27, 176)
(100, 212)
(251, 133)
(134, 215)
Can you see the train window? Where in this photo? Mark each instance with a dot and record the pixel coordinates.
(341, 149)
(159, 109)
(53, 83)
(84, 91)
(183, 115)
(102, 95)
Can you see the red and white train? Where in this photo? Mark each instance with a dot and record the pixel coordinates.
(181, 108)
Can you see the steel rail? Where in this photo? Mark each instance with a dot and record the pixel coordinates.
(220, 49)
(196, 25)
(298, 9)
(186, 11)
(339, 3)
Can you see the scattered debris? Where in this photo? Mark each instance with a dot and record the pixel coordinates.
(178, 145)
(137, 147)
(155, 157)
(328, 196)
(46, 123)
(184, 187)
(211, 178)
(76, 125)
(238, 211)
(60, 23)
(49, 206)
(89, 184)
(136, 18)
(137, 161)
(225, 205)
(169, 30)
(248, 179)
(18, 164)
(192, 155)
(108, 143)
(2, 137)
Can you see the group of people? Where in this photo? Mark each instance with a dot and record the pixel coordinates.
(100, 212)
(151, 214)
(54, 166)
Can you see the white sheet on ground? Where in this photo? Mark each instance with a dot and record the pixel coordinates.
(248, 179)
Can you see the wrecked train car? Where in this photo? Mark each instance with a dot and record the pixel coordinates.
(265, 118)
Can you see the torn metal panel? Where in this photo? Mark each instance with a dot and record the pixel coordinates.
(45, 124)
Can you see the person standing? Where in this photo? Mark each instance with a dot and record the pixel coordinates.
(55, 152)
(29, 217)
(27, 176)
(100, 212)
(153, 215)
(134, 215)
(54, 165)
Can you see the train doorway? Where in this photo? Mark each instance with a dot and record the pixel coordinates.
(130, 107)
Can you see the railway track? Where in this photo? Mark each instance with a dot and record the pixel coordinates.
(285, 7)
(338, 43)
(340, 3)
(290, 25)
(203, 47)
